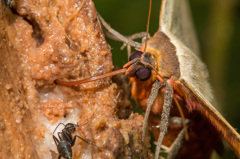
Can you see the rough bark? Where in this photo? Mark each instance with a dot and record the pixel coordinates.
(41, 41)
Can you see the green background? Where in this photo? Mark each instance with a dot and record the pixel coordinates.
(217, 24)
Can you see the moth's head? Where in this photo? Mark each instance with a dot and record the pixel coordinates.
(141, 65)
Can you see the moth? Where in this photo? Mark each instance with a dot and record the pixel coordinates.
(170, 83)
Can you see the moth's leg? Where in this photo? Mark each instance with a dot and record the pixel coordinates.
(141, 35)
(153, 94)
(113, 34)
(175, 121)
(178, 142)
(164, 117)
(173, 150)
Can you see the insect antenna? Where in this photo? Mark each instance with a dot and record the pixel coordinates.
(148, 21)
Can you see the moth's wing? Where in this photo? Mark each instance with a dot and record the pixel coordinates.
(175, 17)
(175, 21)
(194, 76)
(227, 131)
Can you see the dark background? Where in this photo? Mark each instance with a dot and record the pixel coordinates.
(217, 24)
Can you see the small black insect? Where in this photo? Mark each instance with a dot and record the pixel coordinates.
(66, 142)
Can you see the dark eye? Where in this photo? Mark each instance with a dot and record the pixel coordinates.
(136, 54)
(143, 74)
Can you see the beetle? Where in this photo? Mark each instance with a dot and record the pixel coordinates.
(66, 142)
(170, 80)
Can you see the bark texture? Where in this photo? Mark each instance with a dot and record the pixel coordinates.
(41, 41)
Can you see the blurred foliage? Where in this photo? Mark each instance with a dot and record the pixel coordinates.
(217, 25)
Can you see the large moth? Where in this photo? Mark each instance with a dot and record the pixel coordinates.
(167, 72)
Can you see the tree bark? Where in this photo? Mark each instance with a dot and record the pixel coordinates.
(42, 41)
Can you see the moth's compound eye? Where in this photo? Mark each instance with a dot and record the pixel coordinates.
(143, 74)
(136, 54)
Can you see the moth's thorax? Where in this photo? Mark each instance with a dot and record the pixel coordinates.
(165, 53)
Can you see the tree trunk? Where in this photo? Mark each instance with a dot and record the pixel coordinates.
(42, 41)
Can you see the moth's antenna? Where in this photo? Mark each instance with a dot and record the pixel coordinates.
(149, 15)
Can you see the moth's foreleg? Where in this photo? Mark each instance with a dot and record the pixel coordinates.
(153, 94)
(113, 34)
(141, 35)
(164, 116)
(174, 149)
